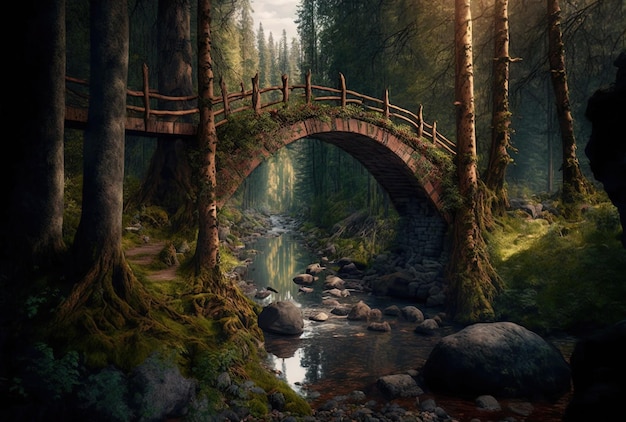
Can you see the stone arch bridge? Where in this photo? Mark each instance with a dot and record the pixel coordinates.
(404, 170)
(404, 164)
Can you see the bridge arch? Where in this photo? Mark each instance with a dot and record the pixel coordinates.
(404, 171)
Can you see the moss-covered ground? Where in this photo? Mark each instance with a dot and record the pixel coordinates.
(561, 275)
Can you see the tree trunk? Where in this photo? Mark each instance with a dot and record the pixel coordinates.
(575, 185)
(499, 156)
(473, 281)
(103, 278)
(168, 181)
(31, 219)
(207, 249)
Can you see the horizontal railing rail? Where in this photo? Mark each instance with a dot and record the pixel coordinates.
(148, 103)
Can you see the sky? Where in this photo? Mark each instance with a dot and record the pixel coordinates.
(275, 15)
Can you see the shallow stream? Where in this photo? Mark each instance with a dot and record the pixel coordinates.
(337, 356)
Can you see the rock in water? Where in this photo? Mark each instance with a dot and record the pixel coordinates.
(502, 358)
(282, 317)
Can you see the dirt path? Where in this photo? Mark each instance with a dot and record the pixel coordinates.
(147, 253)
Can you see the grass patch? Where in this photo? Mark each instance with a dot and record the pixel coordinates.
(561, 275)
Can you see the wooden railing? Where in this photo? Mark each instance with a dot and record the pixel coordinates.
(230, 103)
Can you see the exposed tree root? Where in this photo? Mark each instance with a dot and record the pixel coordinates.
(111, 318)
(474, 282)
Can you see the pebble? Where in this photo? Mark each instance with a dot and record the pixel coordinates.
(354, 408)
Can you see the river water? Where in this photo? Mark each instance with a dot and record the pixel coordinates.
(338, 356)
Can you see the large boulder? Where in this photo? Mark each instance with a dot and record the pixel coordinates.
(159, 391)
(282, 317)
(502, 359)
(599, 376)
(606, 148)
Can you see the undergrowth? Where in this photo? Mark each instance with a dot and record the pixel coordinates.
(561, 275)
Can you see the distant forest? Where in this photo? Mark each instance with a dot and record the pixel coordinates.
(405, 46)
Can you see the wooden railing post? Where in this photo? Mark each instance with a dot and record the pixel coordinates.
(435, 132)
(420, 124)
(307, 92)
(342, 82)
(256, 95)
(285, 79)
(146, 96)
(225, 98)
(386, 105)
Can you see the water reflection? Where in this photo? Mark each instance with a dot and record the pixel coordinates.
(336, 356)
(279, 258)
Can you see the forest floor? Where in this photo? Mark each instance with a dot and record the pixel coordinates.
(145, 255)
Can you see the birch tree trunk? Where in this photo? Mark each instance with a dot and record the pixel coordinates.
(207, 249)
(575, 185)
(499, 157)
(473, 281)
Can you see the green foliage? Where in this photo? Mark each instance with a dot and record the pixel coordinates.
(154, 217)
(46, 376)
(239, 135)
(209, 364)
(268, 382)
(105, 393)
(561, 275)
(47, 298)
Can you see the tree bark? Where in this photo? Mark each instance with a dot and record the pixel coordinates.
(575, 185)
(168, 182)
(207, 249)
(102, 275)
(499, 157)
(473, 281)
(31, 219)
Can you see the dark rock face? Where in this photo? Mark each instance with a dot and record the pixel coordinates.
(399, 385)
(281, 317)
(501, 359)
(599, 376)
(160, 391)
(606, 148)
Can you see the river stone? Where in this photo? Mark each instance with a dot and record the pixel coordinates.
(319, 317)
(338, 292)
(487, 402)
(359, 312)
(332, 303)
(314, 269)
(428, 327)
(399, 385)
(304, 289)
(341, 310)
(282, 317)
(392, 310)
(304, 279)
(412, 314)
(379, 326)
(334, 282)
(375, 315)
(502, 359)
